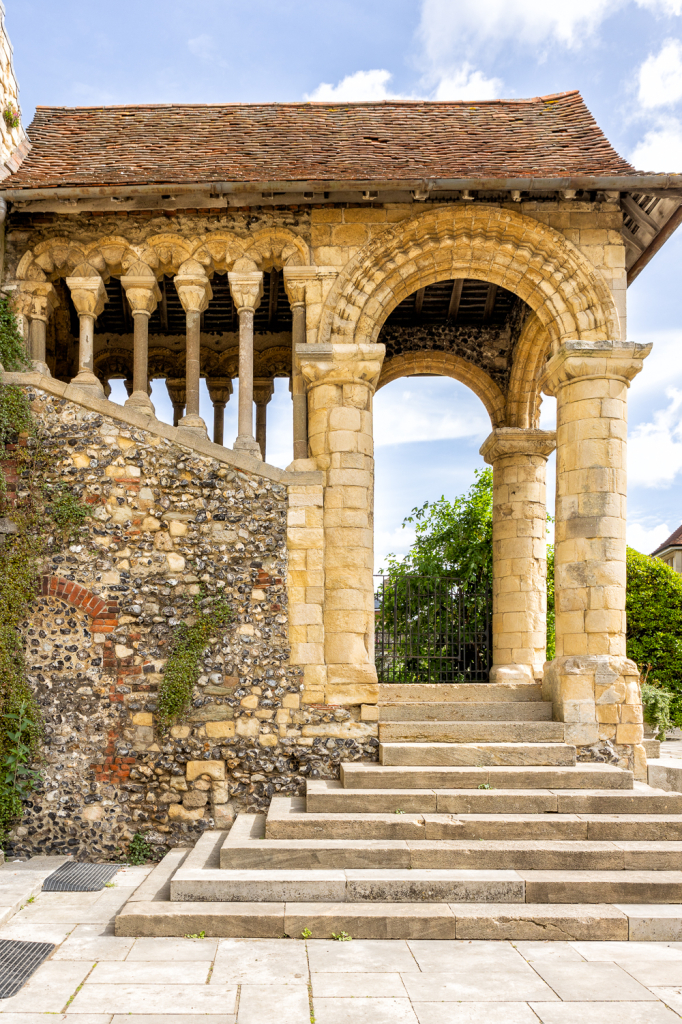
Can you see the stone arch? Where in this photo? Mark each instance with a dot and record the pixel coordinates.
(164, 253)
(446, 364)
(524, 398)
(569, 296)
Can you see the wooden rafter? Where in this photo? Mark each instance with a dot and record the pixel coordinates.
(455, 298)
(489, 302)
(274, 295)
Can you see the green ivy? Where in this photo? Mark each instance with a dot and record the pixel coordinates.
(182, 668)
(658, 707)
(13, 354)
(67, 512)
(139, 850)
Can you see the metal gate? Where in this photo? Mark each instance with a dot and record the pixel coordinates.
(430, 629)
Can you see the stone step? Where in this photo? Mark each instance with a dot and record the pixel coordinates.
(331, 797)
(368, 775)
(471, 732)
(470, 921)
(478, 754)
(425, 693)
(388, 885)
(467, 711)
(287, 819)
(354, 885)
(246, 848)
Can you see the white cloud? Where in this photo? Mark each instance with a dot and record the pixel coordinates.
(667, 7)
(446, 25)
(403, 417)
(392, 542)
(660, 149)
(655, 448)
(660, 76)
(465, 83)
(646, 540)
(204, 47)
(363, 85)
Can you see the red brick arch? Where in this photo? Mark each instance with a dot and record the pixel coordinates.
(104, 614)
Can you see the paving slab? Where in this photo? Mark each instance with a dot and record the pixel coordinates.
(274, 1004)
(167, 1018)
(547, 950)
(363, 1011)
(615, 952)
(156, 885)
(475, 1013)
(437, 956)
(125, 998)
(653, 973)
(391, 956)
(574, 982)
(672, 997)
(55, 1018)
(596, 1013)
(362, 985)
(138, 972)
(50, 988)
(519, 983)
(181, 949)
(239, 961)
(81, 944)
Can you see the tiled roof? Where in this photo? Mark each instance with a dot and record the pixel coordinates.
(674, 540)
(550, 136)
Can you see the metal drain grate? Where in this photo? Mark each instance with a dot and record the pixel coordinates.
(18, 961)
(75, 877)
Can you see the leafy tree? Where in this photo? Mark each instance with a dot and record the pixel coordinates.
(432, 610)
(454, 538)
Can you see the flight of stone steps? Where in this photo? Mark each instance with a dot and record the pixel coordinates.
(476, 823)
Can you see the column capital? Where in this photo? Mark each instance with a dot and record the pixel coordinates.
(246, 288)
(263, 390)
(219, 389)
(142, 292)
(575, 360)
(194, 291)
(504, 441)
(341, 364)
(37, 299)
(88, 294)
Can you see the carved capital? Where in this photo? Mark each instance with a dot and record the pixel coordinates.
(37, 299)
(246, 288)
(177, 390)
(341, 364)
(263, 390)
(88, 294)
(506, 441)
(219, 389)
(195, 292)
(142, 292)
(576, 360)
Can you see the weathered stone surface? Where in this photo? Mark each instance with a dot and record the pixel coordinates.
(541, 921)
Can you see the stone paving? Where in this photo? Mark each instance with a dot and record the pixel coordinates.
(95, 977)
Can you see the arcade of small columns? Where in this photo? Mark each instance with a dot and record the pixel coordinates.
(142, 292)
(569, 347)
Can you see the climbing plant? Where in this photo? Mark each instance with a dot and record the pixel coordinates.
(182, 668)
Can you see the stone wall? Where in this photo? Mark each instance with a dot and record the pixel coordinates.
(171, 527)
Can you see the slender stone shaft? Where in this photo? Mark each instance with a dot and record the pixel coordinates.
(193, 362)
(89, 296)
(247, 290)
(298, 394)
(38, 340)
(142, 293)
(194, 290)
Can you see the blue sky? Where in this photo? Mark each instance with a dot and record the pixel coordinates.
(624, 55)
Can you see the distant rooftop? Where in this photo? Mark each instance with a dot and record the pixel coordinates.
(675, 539)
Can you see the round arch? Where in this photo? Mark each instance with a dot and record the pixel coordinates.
(446, 364)
(569, 296)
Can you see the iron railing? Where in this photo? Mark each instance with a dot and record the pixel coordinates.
(430, 629)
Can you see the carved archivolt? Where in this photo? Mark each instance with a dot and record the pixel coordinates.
(531, 353)
(165, 253)
(446, 364)
(569, 296)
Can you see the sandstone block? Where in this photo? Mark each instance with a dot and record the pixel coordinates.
(216, 769)
(179, 813)
(220, 730)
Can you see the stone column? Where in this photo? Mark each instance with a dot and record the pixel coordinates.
(263, 390)
(89, 296)
(177, 392)
(341, 380)
(593, 685)
(519, 461)
(219, 389)
(195, 293)
(142, 293)
(39, 300)
(296, 290)
(247, 290)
